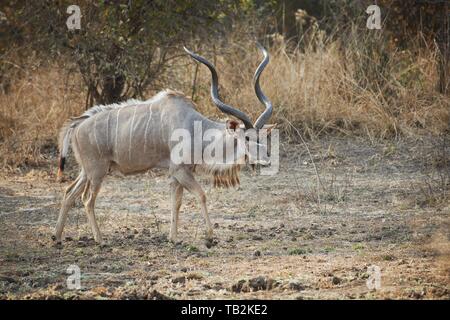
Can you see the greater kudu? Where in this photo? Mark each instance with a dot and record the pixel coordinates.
(135, 136)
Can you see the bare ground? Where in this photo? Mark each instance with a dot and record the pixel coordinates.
(381, 204)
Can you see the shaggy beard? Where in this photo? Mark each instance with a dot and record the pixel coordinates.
(223, 176)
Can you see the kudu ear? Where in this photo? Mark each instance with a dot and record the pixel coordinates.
(232, 128)
(232, 125)
(269, 127)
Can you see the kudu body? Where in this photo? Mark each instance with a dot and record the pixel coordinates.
(135, 136)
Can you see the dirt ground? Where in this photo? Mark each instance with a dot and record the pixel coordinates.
(382, 204)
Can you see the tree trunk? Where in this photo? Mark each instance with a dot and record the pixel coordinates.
(113, 88)
(443, 41)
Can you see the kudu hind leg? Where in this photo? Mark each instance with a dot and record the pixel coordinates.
(176, 193)
(70, 195)
(187, 180)
(89, 196)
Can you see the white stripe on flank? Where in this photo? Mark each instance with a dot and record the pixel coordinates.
(150, 111)
(131, 133)
(95, 137)
(107, 131)
(160, 125)
(117, 132)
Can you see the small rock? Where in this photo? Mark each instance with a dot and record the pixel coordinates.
(216, 225)
(57, 287)
(81, 243)
(237, 287)
(155, 295)
(229, 239)
(193, 292)
(271, 283)
(104, 247)
(179, 244)
(7, 279)
(218, 286)
(58, 245)
(194, 276)
(209, 243)
(416, 294)
(181, 279)
(296, 286)
(258, 283)
(336, 280)
(154, 277)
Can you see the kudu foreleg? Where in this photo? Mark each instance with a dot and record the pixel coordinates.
(89, 203)
(176, 191)
(187, 180)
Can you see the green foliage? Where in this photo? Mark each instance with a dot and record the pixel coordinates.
(123, 47)
(299, 251)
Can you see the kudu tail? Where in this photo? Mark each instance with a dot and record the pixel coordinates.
(65, 136)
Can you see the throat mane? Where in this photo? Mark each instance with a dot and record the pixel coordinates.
(224, 176)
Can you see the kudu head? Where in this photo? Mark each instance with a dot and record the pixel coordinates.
(256, 149)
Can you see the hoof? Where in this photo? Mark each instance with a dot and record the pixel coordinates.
(102, 245)
(57, 245)
(54, 239)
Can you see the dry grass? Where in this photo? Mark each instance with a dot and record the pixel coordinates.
(328, 90)
(321, 89)
(32, 114)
